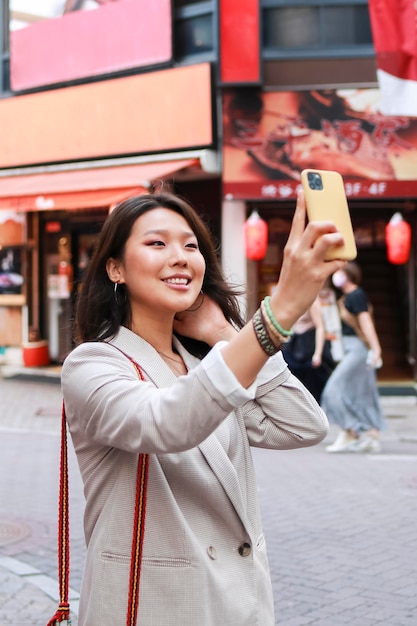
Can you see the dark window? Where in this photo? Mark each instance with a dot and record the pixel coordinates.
(195, 32)
(313, 26)
(346, 26)
(183, 3)
(194, 35)
(291, 28)
(4, 47)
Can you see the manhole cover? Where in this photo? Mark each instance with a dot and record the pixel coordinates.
(12, 531)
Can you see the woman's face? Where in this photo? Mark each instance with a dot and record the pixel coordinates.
(162, 268)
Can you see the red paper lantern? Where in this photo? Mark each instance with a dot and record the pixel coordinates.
(398, 239)
(256, 237)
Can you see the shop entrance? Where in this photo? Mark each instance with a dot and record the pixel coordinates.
(387, 288)
(66, 243)
(390, 288)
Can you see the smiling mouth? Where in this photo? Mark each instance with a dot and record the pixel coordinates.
(178, 281)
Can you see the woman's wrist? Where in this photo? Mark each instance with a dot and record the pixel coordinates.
(223, 334)
(377, 351)
(316, 359)
(284, 317)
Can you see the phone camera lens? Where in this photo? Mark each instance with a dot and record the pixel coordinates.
(314, 180)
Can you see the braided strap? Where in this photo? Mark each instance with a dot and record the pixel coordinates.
(137, 540)
(262, 335)
(62, 615)
(138, 530)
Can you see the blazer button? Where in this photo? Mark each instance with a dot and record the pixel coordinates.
(211, 551)
(245, 549)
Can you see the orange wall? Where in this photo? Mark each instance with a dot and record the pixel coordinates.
(158, 111)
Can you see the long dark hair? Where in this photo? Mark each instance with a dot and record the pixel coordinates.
(100, 314)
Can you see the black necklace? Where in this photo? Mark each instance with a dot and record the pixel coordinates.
(177, 371)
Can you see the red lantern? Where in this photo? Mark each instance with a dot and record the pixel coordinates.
(256, 236)
(398, 239)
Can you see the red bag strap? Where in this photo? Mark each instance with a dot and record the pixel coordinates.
(138, 529)
(63, 612)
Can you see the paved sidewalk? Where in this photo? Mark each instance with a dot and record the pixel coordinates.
(29, 473)
(340, 528)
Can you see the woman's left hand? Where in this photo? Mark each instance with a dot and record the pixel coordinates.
(316, 360)
(304, 268)
(204, 321)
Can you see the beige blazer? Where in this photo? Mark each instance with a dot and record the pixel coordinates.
(204, 556)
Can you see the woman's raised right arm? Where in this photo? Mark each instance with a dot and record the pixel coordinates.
(302, 275)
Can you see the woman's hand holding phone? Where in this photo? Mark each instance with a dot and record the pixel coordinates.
(326, 200)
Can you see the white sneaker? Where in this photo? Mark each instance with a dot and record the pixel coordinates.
(342, 443)
(365, 444)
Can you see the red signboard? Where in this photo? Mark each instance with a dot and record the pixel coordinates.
(116, 36)
(240, 52)
(269, 138)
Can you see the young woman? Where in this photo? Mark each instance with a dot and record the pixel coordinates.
(212, 388)
(350, 397)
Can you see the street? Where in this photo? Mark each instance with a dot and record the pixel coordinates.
(340, 528)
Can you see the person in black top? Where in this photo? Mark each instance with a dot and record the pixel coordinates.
(350, 397)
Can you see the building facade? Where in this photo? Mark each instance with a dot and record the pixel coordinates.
(223, 102)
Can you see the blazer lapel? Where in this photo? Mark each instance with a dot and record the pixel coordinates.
(226, 474)
(152, 365)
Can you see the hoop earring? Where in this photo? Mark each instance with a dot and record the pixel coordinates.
(119, 300)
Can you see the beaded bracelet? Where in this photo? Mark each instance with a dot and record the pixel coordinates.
(262, 335)
(271, 316)
(275, 335)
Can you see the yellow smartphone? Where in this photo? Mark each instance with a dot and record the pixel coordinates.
(325, 196)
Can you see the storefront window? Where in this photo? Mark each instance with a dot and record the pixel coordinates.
(11, 277)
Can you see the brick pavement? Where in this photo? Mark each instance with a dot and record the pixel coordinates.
(340, 528)
(29, 458)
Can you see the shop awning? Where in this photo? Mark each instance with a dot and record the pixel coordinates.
(83, 188)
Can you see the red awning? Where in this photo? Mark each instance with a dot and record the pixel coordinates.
(83, 189)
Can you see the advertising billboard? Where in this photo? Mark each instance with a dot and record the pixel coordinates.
(269, 138)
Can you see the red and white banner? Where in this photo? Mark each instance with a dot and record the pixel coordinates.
(394, 29)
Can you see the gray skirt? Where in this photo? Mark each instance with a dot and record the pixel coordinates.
(350, 398)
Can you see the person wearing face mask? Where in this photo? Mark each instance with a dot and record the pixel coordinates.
(350, 397)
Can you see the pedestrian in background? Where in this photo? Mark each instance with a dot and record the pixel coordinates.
(308, 352)
(350, 397)
(212, 387)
